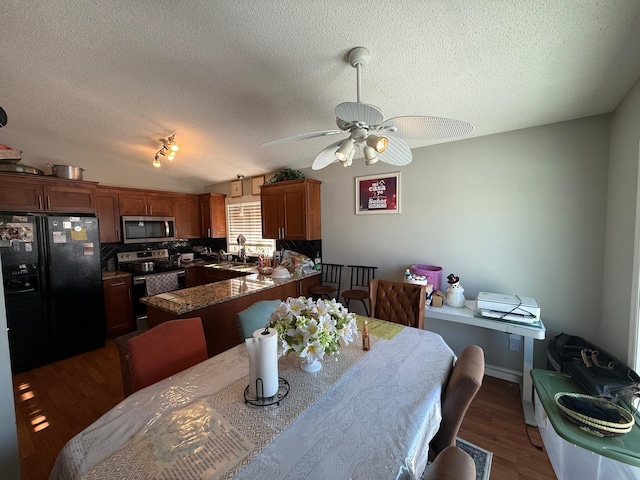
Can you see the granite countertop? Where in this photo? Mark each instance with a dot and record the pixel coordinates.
(187, 300)
(110, 275)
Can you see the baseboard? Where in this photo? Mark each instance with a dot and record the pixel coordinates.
(503, 373)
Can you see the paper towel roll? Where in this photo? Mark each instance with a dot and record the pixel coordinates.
(263, 363)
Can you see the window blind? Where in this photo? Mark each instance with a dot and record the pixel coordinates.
(246, 219)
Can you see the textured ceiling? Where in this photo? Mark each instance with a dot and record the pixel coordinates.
(115, 76)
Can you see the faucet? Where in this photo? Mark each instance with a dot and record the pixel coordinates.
(243, 257)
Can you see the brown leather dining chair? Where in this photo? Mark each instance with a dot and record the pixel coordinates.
(452, 463)
(398, 302)
(330, 286)
(459, 391)
(153, 355)
(361, 275)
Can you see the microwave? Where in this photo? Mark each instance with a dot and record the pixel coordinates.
(148, 229)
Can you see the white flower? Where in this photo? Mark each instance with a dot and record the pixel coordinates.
(312, 329)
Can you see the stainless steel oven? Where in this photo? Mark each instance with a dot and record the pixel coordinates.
(155, 262)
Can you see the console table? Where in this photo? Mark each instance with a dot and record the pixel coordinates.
(527, 331)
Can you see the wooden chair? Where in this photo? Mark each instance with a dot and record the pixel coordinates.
(452, 463)
(150, 356)
(460, 390)
(330, 287)
(254, 317)
(360, 277)
(398, 302)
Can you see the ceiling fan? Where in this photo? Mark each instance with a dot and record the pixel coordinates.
(369, 132)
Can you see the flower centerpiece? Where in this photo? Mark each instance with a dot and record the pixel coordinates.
(312, 329)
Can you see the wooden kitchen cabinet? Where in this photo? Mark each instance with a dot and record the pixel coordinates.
(43, 194)
(213, 221)
(118, 304)
(141, 202)
(108, 211)
(186, 211)
(291, 210)
(212, 275)
(191, 277)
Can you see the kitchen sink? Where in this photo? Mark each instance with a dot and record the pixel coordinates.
(236, 266)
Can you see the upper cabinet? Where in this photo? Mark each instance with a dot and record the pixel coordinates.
(36, 193)
(108, 211)
(291, 210)
(213, 222)
(140, 202)
(186, 213)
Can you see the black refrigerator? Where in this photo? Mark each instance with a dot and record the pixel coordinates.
(52, 286)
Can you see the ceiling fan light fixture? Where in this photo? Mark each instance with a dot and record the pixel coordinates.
(345, 149)
(379, 144)
(370, 155)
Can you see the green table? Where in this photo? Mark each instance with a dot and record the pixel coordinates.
(625, 448)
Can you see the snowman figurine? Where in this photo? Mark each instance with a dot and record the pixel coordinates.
(455, 292)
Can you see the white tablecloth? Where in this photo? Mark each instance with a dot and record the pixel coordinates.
(375, 422)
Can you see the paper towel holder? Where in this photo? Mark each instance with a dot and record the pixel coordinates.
(283, 391)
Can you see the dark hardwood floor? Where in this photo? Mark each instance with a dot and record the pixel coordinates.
(57, 401)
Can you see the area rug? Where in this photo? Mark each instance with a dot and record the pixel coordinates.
(481, 457)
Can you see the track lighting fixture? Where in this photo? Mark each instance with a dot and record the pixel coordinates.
(168, 145)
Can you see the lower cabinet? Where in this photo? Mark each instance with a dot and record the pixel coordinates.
(118, 304)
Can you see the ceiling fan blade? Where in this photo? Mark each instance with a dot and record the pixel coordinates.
(426, 128)
(359, 112)
(326, 157)
(397, 153)
(302, 136)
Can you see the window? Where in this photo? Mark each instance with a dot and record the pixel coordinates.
(245, 218)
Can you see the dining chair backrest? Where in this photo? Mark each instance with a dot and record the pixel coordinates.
(254, 317)
(361, 275)
(162, 351)
(331, 278)
(452, 463)
(459, 391)
(398, 302)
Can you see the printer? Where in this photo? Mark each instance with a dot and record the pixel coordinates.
(508, 307)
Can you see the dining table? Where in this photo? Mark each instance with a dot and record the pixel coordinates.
(363, 415)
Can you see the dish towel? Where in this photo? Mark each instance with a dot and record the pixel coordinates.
(161, 282)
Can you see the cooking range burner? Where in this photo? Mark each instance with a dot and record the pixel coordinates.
(146, 261)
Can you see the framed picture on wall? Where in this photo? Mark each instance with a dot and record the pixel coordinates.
(256, 183)
(235, 188)
(378, 193)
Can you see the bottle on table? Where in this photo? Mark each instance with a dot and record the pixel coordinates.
(366, 340)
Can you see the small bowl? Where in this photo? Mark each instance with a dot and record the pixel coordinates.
(265, 270)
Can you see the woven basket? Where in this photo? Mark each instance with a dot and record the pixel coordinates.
(596, 426)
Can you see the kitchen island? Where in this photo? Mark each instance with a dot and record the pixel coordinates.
(217, 304)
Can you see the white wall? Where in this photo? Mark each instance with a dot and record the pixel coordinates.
(521, 212)
(9, 460)
(622, 218)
